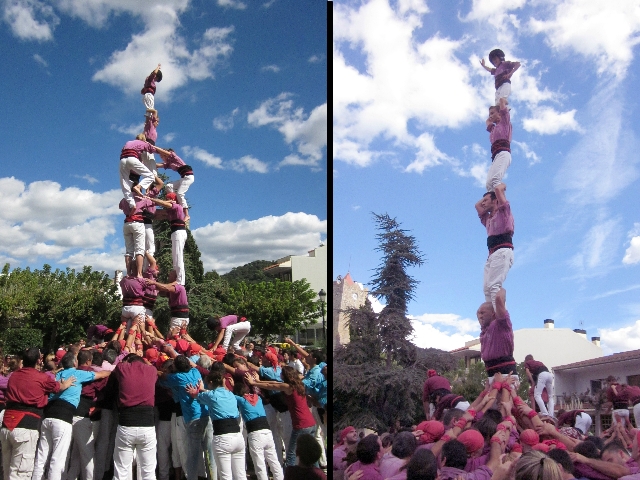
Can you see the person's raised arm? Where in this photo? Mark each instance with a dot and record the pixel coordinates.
(283, 387)
(514, 66)
(484, 65)
(501, 196)
(610, 469)
(480, 207)
(102, 374)
(162, 203)
(503, 103)
(162, 287)
(300, 350)
(530, 377)
(501, 302)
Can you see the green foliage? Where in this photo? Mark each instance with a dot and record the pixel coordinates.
(61, 304)
(523, 389)
(274, 308)
(249, 273)
(17, 340)
(468, 384)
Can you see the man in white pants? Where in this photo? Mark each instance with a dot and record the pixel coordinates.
(179, 187)
(175, 214)
(134, 234)
(229, 327)
(499, 128)
(540, 378)
(494, 212)
(130, 162)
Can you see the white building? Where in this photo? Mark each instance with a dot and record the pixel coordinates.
(312, 268)
(549, 345)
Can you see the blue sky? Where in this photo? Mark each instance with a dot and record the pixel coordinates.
(409, 139)
(243, 100)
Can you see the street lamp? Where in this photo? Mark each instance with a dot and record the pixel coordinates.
(322, 295)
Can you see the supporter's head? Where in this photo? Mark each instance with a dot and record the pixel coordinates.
(422, 466)
(255, 360)
(452, 415)
(286, 357)
(315, 357)
(487, 427)
(141, 136)
(615, 452)
(167, 366)
(116, 345)
(205, 362)
(431, 373)
(432, 429)
(70, 360)
(85, 356)
(48, 365)
(97, 358)
(454, 454)
(238, 362)
(173, 276)
(368, 450)
(132, 358)
(597, 441)
(216, 375)
(494, 415)
(308, 450)
(535, 466)
(528, 357)
(348, 435)
(182, 364)
(587, 449)
(386, 440)
(611, 379)
(485, 314)
(31, 357)
(291, 377)
(562, 458)
(213, 323)
(473, 441)
(109, 355)
(403, 445)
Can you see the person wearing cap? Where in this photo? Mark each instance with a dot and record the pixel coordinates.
(57, 424)
(502, 72)
(149, 89)
(174, 212)
(435, 386)
(179, 187)
(230, 328)
(27, 395)
(199, 429)
(347, 442)
(178, 303)
(540, 377)
(431, 430)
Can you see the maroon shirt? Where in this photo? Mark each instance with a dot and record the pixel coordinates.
(133, 288)
(91, 389)
(621, 398)
(432, 384)
(497, 339)
(301, 416)
(31, 387)
(632, 391)
(299, 472)
(137, 382)
(535, 368)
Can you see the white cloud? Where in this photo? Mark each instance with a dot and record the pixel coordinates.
(270, 68)
(237, 4)
(225, 122)
(595, 250)
(40, 60)
(88, 178)
(376, 305)
(249, 164)
(446, 331)
(225, 245)
(307, 133)
(317, 58)
(547, 121)
(269, 3)
(44, 220)
(131, 130)
(428, 154)
(599, 30)
(30, 19)
(632, 254)
(621, 339)
(169, 137)
(107, 262)
(207, 158)
(296, 160)
(527, 151)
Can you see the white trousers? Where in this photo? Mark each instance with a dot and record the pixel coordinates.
(148, 100)
(163, 434)
(84, 433)
(178, 239)
(545, 380)
(177, 322)
(321, 434)
(623, 413)
(129, 312)
(18, 452)
(229, 453)
(180, 188)
(149, 161)
(495, 273)
(132, 164)
(134, 237)
(503, 91)
(497, 170)
(142, 440)
(149, 239)
(53, 446)
(262, 448)
(105, 442)
(237, 332)
(178, 441)
(636, 414)
(281, 428)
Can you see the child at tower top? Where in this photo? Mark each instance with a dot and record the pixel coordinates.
(149, 89)
(502, 71)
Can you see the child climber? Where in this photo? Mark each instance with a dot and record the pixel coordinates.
(502, 71)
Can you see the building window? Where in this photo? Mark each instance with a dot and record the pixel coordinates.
(596, 386)
(633, 380)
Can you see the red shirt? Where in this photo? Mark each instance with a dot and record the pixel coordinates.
(434, 383)
(137, 382)
(301, 416)
(31, 387)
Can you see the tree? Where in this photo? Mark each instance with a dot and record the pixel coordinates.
(379, 374)
(252, 272)
(274, 308)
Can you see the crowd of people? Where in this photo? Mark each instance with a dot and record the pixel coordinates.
(137, 403)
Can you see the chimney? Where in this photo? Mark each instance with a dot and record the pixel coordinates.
(581, 332)
(548, 323)
(595, 341)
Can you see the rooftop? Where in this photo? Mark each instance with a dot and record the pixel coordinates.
(615, 358)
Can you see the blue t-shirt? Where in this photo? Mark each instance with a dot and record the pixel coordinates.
(221, 402)
(312, 382)
(272, 374)
(250, 412)
(191, 410)
(72, 394)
